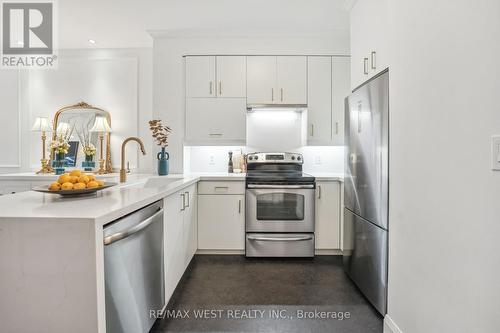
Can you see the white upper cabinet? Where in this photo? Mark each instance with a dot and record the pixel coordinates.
(319, 111)
(215, 121)
(369, 54)
(327, 86)
(291, 79)
(261, 80)
(200, 76)
(231, 76)
(341, 79)
(276, 80)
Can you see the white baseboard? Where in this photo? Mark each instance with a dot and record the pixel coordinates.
(328, 252)
(390, 326)
(221, 252)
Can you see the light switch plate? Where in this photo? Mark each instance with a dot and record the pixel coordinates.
(495, 152)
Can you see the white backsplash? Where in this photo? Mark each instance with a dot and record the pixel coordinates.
(317, 159)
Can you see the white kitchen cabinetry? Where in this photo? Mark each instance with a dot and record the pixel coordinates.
(215, 76)
(221, 217)
(215, 121)
(369, 47)
(180, 234)
(328, 215)
(231, 76)
(261, 79)
(341, 79)
(328, 85)
(276, 80)
(319, 108)
(200, 76)
(11, 187)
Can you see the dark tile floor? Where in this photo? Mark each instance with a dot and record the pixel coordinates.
(267, 295)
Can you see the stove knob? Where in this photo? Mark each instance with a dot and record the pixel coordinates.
(299, 158)
(293, 158)
(250, 158)
(256, 158)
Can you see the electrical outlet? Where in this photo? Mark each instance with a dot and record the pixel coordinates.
(211, 160)
(495, 152)
(317, 160)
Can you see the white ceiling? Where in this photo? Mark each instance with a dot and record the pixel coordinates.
(125, 23)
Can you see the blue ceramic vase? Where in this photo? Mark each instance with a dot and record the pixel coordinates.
(60, 163)
(163, 158)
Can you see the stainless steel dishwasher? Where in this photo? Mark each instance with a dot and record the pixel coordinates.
(133, 266)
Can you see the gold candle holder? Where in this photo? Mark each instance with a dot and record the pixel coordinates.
(42, 124)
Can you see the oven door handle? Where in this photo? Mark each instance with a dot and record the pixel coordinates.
(280, 239)
(281, 186)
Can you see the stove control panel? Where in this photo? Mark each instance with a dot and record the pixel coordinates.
(272, 158)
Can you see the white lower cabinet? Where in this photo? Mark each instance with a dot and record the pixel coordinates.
(328, 215)
(180, 234)
(221, 222)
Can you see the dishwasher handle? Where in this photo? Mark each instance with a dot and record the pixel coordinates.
(108, 240)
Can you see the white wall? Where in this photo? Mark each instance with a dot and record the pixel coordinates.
(117, 80)
(9, 121)
(317, 159)
(169, 81)
(444, 199)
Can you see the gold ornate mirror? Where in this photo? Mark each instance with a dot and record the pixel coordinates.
(84, 125)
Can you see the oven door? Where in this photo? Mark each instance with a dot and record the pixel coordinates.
(279, 209)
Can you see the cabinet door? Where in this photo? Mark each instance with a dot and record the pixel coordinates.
(319, 95)
(190, 233)
(200, 76)
(221, 222)
(212, 121)
(291, 80)
(231, 76)
(341, 79)
(327, 231)
(173, 235)
(261, 80)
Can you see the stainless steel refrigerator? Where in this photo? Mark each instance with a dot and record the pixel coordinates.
(366, 189)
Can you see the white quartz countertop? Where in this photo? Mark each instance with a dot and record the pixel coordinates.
(109, 204)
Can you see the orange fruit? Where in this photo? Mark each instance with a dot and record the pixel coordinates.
(55, 186)
(73, 179)
(83, 179)
(67, 186)
(76, 173)
(92, 184)
(79, 186)
(90, 176)
(100, 182)
(64, 178)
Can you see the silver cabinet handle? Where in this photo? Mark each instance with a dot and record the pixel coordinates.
(319, 191)
(183, 201)
(108, 240)
(213, 135)
(272, 94)
(281, 186)
(374, 60)
(221, 188)
(279, 239)
(220, 88)
(365, 66)
(239, 206)
(187, 196)
(281, 92)
(312, 129)
(211, 87)
(336, 127)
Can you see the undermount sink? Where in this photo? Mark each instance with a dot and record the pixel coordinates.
(155, 182)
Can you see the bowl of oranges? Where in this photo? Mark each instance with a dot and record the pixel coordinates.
(75, 183)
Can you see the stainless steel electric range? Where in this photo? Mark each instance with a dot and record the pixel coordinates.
(279, 218)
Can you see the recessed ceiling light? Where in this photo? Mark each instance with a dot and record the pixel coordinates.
(91, 41)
